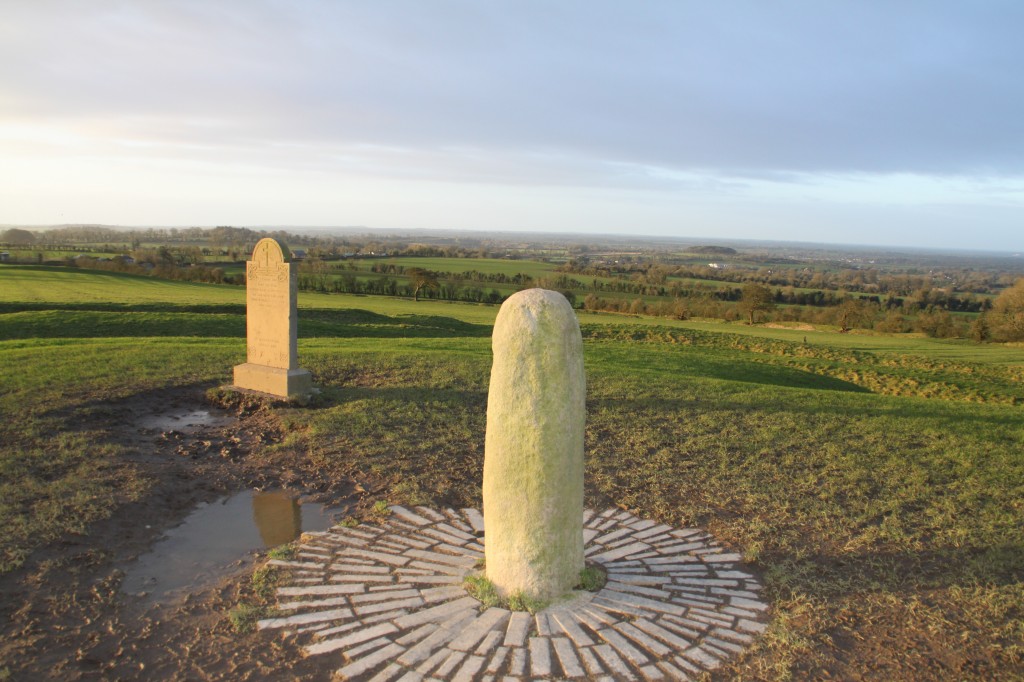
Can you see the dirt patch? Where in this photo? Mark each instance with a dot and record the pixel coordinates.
(64, 613)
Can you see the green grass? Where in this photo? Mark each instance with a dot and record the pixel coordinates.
(30, 255)
(264, 580)
(29, 288)
(484, 591)
(282, 552)
(875, 482)
(520, 601)
(54, 288)
(904, 374)
(592, 579)
(243, 617)
(57, 285)
(56, 477)
(488, 266)
(918, 344)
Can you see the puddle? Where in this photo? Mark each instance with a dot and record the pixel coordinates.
(218, 539)
(181, 420)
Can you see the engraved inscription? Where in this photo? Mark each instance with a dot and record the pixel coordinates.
(269, 307)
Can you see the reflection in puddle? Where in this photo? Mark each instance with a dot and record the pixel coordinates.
(208, 545)
(278, 516)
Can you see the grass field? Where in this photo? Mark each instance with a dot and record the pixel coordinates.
(487, 266)
(55, 288)
(876, 482)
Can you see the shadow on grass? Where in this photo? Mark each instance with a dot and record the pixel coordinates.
(94, 306)
(355, 322)
(52, 324)
(829, 576)
(954, 416)
(773, 375)
(95, 320)
(747, 372)
(412, 395)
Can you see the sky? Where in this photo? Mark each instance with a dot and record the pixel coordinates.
(862, 122)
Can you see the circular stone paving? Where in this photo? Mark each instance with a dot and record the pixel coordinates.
(389, 596)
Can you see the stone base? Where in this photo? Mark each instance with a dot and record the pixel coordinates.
(274, 380)
(387, 598)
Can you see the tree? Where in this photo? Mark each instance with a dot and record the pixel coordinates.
(313, 274)
(1007, 315)
(980, 330)
(680, 309)
(755, 298)
(421, 279)
(853, 312)
(936, 323)
(17, 236)
(893, 323)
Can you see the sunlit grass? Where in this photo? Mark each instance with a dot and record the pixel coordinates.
(860, 476)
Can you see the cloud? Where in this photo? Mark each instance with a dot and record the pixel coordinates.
(733, 87)
(581, 107)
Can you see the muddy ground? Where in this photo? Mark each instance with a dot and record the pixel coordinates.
(64, 615)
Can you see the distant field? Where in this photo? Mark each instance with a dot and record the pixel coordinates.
(950, 349)
(711, 283)
(457, 265)
(57, 254)
(30, 284)
(535, 269)
(63, 285)
(339, 273)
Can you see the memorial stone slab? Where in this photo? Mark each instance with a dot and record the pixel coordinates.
(271, 322)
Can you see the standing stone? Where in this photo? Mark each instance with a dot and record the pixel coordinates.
(533, 455)
(271, 323)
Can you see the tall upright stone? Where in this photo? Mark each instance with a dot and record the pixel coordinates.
(271, 322)
(533, 453)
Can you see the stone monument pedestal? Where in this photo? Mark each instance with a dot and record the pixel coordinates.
(273, 380)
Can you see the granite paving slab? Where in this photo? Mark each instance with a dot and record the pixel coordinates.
(671, 609)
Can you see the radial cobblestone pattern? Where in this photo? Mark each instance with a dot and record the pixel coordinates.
(389, 596)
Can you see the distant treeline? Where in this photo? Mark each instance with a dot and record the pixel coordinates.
(1001, 321)
(238, 242)
(848, 313)
(942, 302)
(910, 283)
(390, 286)
(162, 269)
(519, 279)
